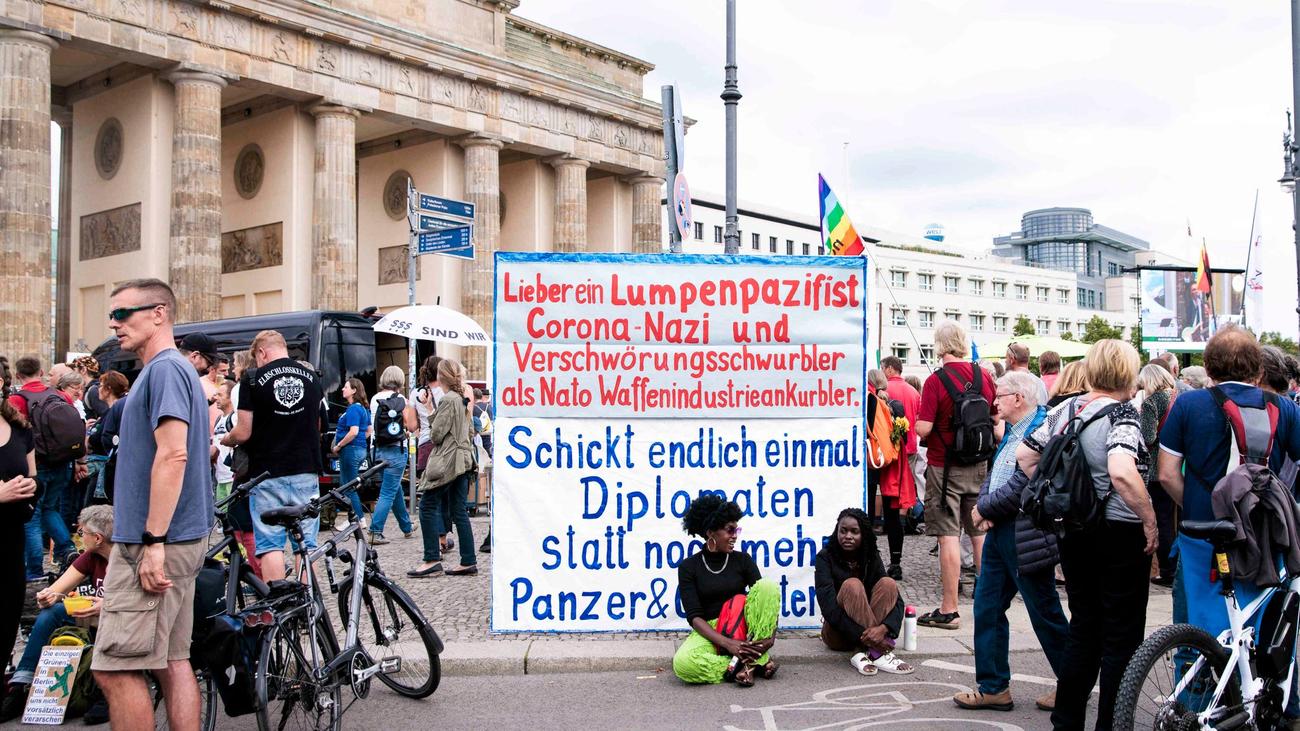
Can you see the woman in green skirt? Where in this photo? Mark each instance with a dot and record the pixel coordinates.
(707, 580)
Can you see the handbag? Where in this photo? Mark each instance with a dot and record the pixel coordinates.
(731, 621)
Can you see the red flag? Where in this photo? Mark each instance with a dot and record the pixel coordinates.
(1203, 272)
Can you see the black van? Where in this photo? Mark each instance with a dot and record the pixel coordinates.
(341, 345)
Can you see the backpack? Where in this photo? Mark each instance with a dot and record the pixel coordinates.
(972, 422)
(1252, 431)
(731, 620)
(389, 426)
(59, 432)
(881, 449)
(1061, 496)
(482, 421)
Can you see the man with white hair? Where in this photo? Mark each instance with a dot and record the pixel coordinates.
(1018, 558)
(1171, 360)
(1018, 361)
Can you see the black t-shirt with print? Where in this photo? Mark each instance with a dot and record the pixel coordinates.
(285, 400)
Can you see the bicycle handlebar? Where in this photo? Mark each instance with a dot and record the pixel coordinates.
(243, 490)
(339, 494)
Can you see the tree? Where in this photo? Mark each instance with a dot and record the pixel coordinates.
(1067, 335)
(1023, 327)
(1275, 338)
(1098, 329)
(1135, 338)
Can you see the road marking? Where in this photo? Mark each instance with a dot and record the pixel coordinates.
(957, 667)
(864, 706)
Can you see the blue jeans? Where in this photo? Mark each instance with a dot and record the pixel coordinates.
(283, 492)
(52, 483)
(350, 459)
(49, 619)
(390, 490)
(431, 518)
(999, 582)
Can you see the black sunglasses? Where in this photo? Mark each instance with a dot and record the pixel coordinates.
(121, 314)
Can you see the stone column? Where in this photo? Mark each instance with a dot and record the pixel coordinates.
(570, 203)
(334, 209)
(25, 275)
(63, 245)
(647, 214)
(195, 262)
(483, 189)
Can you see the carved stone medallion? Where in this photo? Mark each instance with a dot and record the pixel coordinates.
(108, 148)
(395, 194)
(250, 168)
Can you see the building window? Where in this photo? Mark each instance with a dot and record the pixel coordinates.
(977, 323)
(771, 244)
(925, 282)
(977, 287)
(789, 247)
(1062, 296)
(755, 240)
(1062, 327)
(699, 231)
(898, 316)
(900, 352)
(807, 249)
(927, 318)
(1133, 304)
(1041, 293)
(717, 234)
(1112, 269)
(1083, 297)
(950, 284)
(953, 315)
(1022, 291)
(1000, 289)
(999, 324)
(897, 279)
(1092, 300)
(1044, 326)
(927, 354)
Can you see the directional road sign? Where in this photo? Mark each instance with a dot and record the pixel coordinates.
(433, 242)
(446, 206)
(465, 253)
(426, 222)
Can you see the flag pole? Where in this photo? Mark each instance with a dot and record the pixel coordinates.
(1250, 246)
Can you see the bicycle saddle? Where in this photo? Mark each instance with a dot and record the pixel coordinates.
(287, 516)
(1217, 532)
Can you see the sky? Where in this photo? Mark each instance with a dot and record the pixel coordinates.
(1154, 114)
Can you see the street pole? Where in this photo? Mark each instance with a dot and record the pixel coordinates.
(731, 98)
(668, 100)
(1295, 159)
(411, 446)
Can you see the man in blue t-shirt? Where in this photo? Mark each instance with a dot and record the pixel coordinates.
(1194, 452)
(162, 512)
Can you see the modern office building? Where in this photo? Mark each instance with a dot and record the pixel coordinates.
(1068, 240)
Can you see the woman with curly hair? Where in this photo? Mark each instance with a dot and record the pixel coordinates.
(860, 605)
(711, 578)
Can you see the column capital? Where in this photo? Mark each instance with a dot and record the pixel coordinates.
(13, 35)
(643, 179)
(560, 161)
(480, 140)
(334, 109)
(182, 75)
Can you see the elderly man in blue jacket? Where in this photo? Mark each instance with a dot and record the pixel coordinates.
(1017, 558)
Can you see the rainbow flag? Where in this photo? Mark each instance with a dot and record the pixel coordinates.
(841, 239)
(1203, 283)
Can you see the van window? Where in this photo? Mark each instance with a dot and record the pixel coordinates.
(347, 350)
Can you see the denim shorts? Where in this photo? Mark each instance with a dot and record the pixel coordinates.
(283, 492)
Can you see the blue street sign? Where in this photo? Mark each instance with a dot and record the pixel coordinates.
(465, 253)
(432, 242)
(447, 206)
(425, 222)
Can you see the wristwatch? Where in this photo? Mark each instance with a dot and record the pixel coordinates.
(149, 539)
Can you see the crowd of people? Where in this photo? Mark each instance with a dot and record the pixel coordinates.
(113, 463)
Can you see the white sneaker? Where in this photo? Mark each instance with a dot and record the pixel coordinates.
(862, 664)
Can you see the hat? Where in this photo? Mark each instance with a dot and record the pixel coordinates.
(201, 344)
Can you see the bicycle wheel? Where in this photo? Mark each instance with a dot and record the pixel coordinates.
(288, 696)
(392, 626)
(207, 701)
(1146, 698)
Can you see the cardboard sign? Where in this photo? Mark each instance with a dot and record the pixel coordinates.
(627, 386)
(56, 672)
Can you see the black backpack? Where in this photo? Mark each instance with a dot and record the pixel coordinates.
(389, 425)
(972, 424)
(1061, 497)
(58, 429)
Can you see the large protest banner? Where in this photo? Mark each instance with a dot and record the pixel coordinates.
(626, 385)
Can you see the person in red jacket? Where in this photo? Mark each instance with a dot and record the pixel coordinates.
(897, 482)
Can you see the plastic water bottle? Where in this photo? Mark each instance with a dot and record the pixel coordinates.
(909, 628)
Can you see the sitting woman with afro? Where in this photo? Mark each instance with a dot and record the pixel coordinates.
(713, 583)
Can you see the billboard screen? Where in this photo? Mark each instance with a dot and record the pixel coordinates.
(1177, 317)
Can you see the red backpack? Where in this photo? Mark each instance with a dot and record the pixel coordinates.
(731, 620)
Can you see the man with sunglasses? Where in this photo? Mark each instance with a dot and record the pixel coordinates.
(162, 512)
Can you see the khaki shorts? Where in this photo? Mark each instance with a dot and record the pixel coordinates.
(139, 630)
(947, 511)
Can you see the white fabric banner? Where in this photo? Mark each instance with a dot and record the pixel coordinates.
(629, 385)
(1255, 286)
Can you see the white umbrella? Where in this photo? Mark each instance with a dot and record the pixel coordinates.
(433, 322)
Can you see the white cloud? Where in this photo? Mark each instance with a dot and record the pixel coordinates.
(971, 113)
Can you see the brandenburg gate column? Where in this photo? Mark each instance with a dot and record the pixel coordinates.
(195, 257)
(334, 209)
(570, 203)
(25, 267)
(483, 189)
(647, 214)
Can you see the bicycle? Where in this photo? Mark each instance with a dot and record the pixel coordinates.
(1182, 678)
(297, 677)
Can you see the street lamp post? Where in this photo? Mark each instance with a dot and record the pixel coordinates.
(731, 98)
(1291, 153)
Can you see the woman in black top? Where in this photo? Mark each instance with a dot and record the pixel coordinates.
(860, 605)
(17, 495)
(710, 578)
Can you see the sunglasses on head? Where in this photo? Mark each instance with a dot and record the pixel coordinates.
(121, 314)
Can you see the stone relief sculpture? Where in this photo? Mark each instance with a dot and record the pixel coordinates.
(252, 248)
(280, 48)
(111, 232)
(108, 148)
(250, 168)
(392, 265)
(395, 195)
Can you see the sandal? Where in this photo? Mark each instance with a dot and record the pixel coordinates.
(745, 675)
(936, 618)
(768, 671)
(863, 664)
(891, 663)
